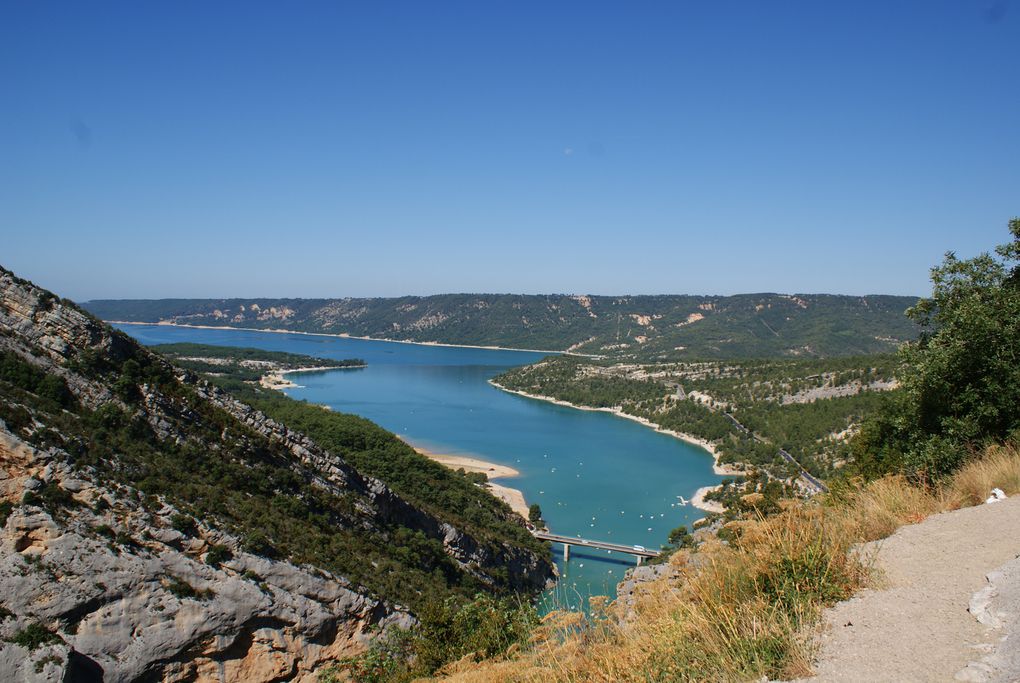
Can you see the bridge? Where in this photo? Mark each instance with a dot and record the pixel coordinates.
(637, 550)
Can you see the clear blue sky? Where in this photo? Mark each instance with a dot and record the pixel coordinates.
(377, 148)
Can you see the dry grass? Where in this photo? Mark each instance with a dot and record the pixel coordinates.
(740, 612)
(999, 468)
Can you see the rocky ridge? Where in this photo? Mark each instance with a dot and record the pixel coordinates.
(127, 596)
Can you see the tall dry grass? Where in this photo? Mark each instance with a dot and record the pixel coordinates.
(742, 611)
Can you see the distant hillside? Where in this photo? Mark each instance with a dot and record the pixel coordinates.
(643, 327)
(156, 527)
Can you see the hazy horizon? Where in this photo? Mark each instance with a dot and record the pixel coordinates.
(422, 296)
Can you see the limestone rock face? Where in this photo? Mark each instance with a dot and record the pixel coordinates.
(144, 604)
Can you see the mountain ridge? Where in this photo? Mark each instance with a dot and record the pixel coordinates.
(641, 326)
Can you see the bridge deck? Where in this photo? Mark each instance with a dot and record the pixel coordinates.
(600, 545)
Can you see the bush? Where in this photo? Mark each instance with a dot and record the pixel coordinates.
(447, 631)
(184, 524)
(961, 380)
(217, 555)
(184, 590)
(35, 635)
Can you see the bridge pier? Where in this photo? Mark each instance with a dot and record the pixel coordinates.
(566, 552)
(639, 560)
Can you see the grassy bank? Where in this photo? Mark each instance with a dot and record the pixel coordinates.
(746, 609)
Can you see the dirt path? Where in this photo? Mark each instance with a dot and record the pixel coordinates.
(915, 626)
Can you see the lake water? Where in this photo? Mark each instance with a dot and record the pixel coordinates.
(595, 475)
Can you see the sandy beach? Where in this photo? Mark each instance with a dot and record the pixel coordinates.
(511, 496)
(277, 379)
(699, 501)
(720, 469)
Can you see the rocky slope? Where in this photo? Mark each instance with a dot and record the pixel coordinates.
(126, 596)
(104, 448)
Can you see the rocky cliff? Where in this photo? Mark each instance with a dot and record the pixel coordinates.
(131, 494)
(116, 593)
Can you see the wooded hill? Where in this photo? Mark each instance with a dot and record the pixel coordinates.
(640, 327)
(806, 406)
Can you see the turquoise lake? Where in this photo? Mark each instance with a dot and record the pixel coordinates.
(595, 475)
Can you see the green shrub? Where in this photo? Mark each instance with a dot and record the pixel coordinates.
(184, 523)
(256, 543)
(35, 635)
(217, 555)
(184, 590)
(48, 659)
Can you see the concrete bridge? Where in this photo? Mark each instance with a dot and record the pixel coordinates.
(639, 551)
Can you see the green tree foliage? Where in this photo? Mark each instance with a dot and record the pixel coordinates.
(961, 379)
(448, 630)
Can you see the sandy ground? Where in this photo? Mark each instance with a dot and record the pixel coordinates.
(277, 379)
(510, 496)
(915, 625)
(456, 462)
(699, 501)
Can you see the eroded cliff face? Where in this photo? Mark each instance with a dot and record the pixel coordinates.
(131, 597)
(122, 594)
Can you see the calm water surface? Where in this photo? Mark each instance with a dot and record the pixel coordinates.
(594, 474)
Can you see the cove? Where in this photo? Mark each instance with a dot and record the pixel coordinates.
(595, 475)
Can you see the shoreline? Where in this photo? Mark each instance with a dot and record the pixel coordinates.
(277, 379)
(348, 336)
(720, 469)
(511, 496)
(699, 501)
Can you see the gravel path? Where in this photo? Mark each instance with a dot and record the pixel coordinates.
(915, 626)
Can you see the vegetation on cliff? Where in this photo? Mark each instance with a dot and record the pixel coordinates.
(127, 416)
(445, 493)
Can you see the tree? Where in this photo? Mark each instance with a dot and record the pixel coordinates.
(534, 513)
(961, 379)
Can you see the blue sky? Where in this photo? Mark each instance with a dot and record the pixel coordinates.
(377, 149)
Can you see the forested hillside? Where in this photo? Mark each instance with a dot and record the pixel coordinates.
(641, 327)
(808, 407)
